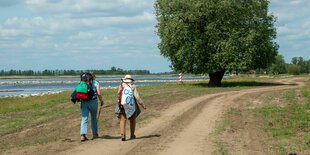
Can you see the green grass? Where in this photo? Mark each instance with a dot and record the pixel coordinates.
(288, 120)
(18, 114)
(226, 121)
(289, 123)
(220, 149)
(21, 113)
(284, 115)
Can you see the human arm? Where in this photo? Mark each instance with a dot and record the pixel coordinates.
(138, 98)
(119, 95)
(99, 94)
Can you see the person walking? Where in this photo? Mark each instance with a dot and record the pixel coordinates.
(127, 107)
(90, 106)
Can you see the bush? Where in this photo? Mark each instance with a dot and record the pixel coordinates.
(293, 69)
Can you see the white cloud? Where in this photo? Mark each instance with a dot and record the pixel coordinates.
(290, 11)
(90, 8)
(293, 27)
(42, 25)
(110, 28)
(94, 33)
(35, 2)
(82, 36)
(28, 27)
(295, 2)
(64, 30)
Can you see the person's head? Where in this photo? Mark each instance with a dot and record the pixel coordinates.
(127, 79)
(93, 75)
(86, 76)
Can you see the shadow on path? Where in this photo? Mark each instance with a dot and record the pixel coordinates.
(245, 84)
(109, 137)
(119, 137)
(149, 136)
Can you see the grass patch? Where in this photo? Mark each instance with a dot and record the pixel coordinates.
(20, 114)
(286, 121)
(289, 123)
(278, 124)
(225, 123)
(220, 149)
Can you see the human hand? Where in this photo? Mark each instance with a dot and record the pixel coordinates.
(143, 106)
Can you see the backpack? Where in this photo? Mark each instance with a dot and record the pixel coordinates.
(84, 90)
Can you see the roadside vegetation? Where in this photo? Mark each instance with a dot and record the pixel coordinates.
(36, 121)
(289, 122)
(40, 121)
(270, 123)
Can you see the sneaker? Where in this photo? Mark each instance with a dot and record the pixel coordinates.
(133, 137)
(83, 138)
(123, 138)
(94, 136)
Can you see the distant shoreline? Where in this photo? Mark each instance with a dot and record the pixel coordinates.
(15, 90)
(24, 86)
(74, 76)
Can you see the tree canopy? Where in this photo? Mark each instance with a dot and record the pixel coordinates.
(212, 36)
(279, 66)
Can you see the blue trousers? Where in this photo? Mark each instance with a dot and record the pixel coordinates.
(87, 107)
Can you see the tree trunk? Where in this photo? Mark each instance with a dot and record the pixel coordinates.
(216, 78)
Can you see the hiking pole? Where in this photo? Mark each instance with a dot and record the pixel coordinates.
(99, 113)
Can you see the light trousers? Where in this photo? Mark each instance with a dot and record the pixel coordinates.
(90, 106)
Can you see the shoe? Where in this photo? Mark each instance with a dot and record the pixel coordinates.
(94, 136)
(133, 137)
(83, 138)
(123, 138)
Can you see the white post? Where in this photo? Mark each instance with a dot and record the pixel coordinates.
(180, 77)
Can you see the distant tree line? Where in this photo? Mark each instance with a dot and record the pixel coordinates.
(297, 66)
(112, 71)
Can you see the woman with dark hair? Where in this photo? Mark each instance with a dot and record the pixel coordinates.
(90, 106)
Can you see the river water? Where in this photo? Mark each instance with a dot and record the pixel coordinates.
(39, 86)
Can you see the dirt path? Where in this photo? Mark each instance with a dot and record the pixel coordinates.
(182, 129)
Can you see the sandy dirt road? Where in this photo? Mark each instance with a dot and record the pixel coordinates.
(182, 129)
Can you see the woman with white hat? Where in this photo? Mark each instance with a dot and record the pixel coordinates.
(127, 108)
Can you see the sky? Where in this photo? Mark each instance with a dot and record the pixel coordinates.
(100, 34)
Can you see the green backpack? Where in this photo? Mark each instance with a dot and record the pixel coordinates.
(84, 91)
(81, 87)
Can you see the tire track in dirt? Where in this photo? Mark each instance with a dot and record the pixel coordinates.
(194, 138)
(182, 129)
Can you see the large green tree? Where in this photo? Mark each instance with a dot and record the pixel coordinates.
(215, 36)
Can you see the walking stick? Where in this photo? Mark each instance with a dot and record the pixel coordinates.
(99, 113)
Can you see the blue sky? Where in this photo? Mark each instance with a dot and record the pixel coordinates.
(99, 34)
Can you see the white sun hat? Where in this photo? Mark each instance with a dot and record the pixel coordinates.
(127, 79)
